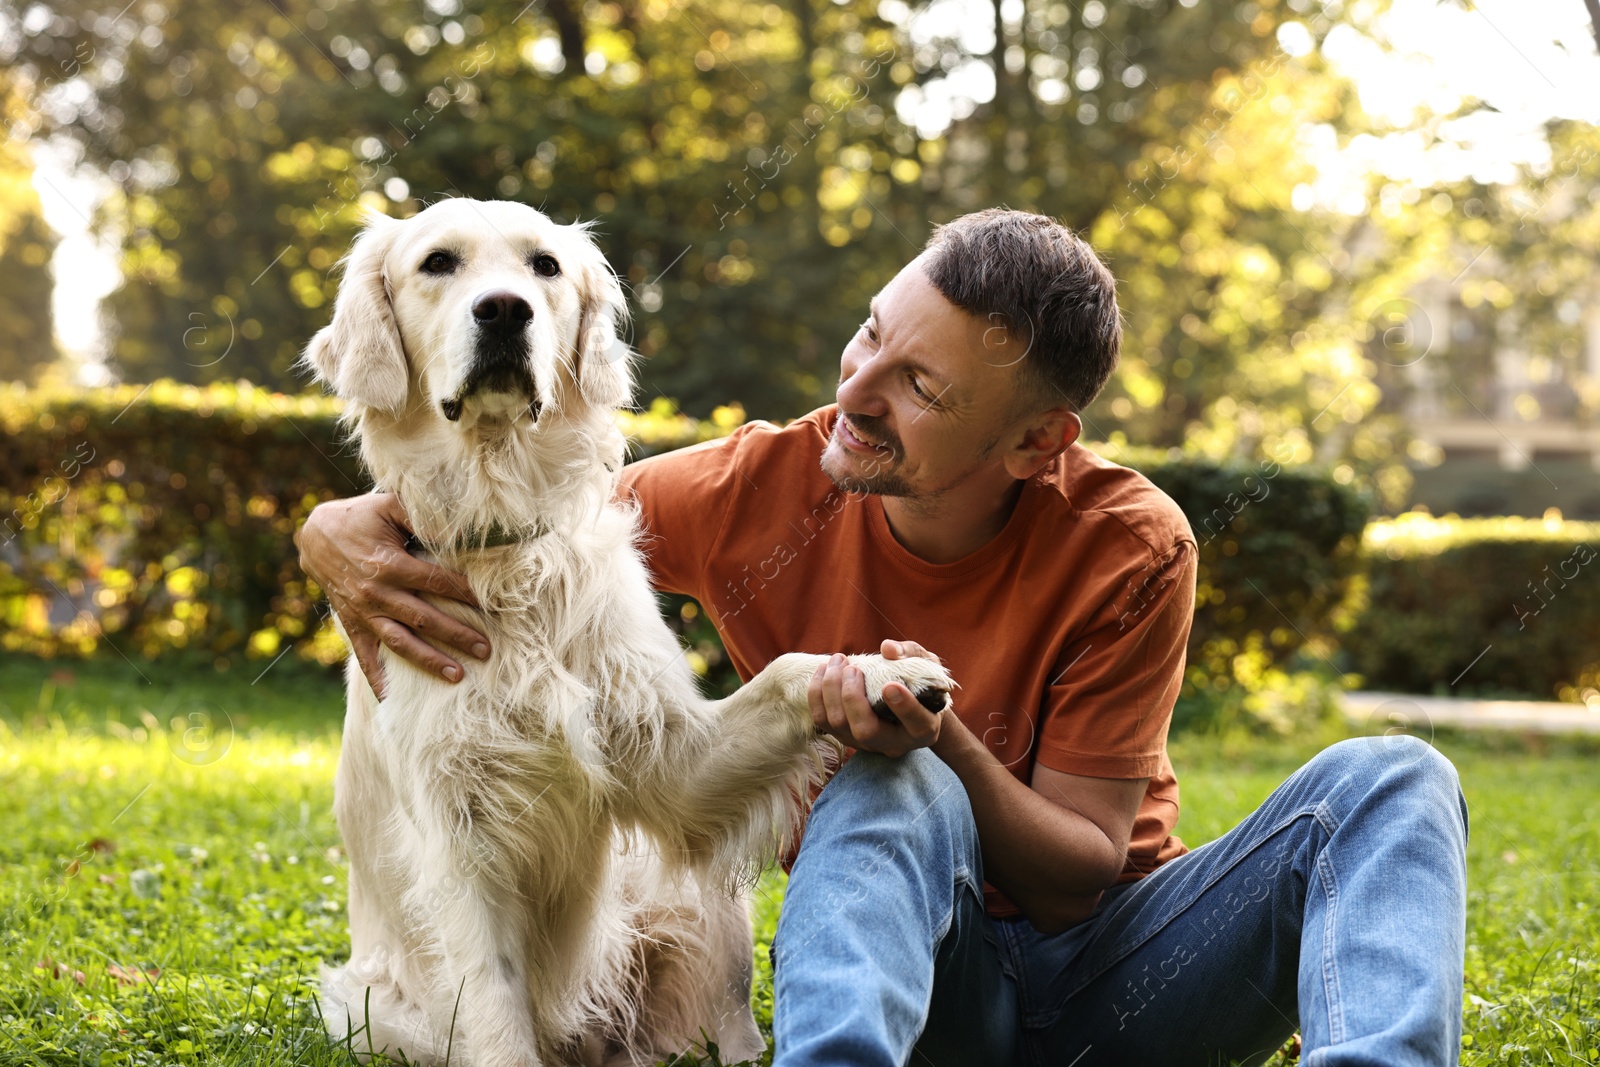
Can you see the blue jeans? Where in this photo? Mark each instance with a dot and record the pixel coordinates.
(1338, 908)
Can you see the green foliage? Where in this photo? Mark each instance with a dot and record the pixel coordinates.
(1480, 606)
(26, 325)
(196, 888)
(1278, 557)
(164, 520)
(757, 172)
(1536, 242)
(1245, 314)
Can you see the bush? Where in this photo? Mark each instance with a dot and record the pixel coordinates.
(1506, 606)
(1279, 579)
(161, 518)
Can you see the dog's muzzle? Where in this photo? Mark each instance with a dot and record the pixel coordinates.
(500, 362)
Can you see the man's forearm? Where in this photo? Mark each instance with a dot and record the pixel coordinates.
(1051, 861)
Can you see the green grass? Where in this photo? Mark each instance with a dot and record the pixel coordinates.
(171, 878)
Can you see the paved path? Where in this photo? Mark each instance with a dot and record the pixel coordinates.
(1415, 714)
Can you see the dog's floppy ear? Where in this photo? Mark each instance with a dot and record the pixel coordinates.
(602, 360)
(359, 354)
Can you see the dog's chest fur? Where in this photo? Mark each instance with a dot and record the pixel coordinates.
(562, 694)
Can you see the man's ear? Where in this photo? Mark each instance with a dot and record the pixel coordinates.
(359, 354)
(602, 361)
(1046, 436)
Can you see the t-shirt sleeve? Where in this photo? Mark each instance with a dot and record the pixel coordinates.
(1110, 698)
(684, 498)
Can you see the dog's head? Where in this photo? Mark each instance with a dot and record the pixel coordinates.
(471, 311)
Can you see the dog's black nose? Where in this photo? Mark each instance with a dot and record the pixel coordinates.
(502, 311)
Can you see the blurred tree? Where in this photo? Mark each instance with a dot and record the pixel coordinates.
(1528, 252)
(757, 170)
(246, 141)
(184, 106)
(27, 328)
(1252, 311)
(1073, 90)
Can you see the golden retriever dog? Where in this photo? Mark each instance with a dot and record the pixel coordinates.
(548, 860)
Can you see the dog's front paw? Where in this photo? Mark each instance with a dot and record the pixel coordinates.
(928, 681)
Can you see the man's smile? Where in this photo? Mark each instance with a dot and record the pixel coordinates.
(856, 442)
(851, 441)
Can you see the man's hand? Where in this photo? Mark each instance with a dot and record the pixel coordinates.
(839, 706)
(356, 551)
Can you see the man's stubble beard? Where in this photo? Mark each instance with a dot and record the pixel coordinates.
(882, 479)
(878, 482)
(886, 483)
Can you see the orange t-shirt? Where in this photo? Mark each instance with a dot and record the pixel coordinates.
(1066, 632)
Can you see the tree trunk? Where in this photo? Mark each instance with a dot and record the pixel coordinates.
(569, 27)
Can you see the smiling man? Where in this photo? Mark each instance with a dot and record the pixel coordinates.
(1000, 884)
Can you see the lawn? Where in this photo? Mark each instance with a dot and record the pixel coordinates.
(171, 877)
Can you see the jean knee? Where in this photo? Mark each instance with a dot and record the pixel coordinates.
(1405, 756)
(1433, 774)
(917, 779)
(1400, 764)
(915, 791)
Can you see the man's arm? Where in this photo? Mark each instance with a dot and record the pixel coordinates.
(1053, 848)
(356, 551)
(1054, 844)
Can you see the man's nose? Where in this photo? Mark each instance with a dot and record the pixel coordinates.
(859, 388)
(502, 312)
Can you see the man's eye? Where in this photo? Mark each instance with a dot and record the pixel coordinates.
(922, 394)
(545, 265)
(871, 331)
(440, 262)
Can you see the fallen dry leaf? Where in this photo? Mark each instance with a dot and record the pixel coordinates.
(133, 975)
(59, 970)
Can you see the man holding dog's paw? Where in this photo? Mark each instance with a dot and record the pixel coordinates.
(1000, 884)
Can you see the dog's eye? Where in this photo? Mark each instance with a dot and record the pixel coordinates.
(545, 264)
(440, 263)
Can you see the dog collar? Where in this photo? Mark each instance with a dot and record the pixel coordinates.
(497, 535)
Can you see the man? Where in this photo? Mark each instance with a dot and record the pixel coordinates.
(1000, 885)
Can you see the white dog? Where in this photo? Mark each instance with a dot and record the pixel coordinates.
(544, 857)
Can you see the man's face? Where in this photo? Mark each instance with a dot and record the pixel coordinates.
(926, 394)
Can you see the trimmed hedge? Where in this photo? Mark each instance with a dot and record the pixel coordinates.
(1505, 606)
(1280, 552)
(161, 519)
(1279, 581)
